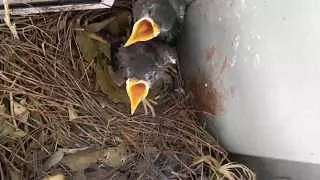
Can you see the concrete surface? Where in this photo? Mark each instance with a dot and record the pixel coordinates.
(255, 64)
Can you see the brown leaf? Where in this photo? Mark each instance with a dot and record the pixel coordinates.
(72, 113)
(14, 175)
(20, 111)
(72, 151)
(24, 116)
(119, 26)
(18, 108)
(87, 46)
(54, 159)
(93, 46)
(96, 27)
(113, 156)
(8, 130)
(2, 109)
(106, 84)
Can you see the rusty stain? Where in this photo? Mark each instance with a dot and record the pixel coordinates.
(208, 99)
(211, 53)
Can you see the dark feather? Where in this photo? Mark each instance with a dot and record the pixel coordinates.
(149, 61)
(168, 14)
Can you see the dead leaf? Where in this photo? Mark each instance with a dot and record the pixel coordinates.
(105, 84)
(87, 46)
(54, 159)
(119, 26)
(24, 116)
(2, 109)
(18, 108)
(73, 151)
(114, 156)
(20, 111)
(96, 27)
(36, 116)
(55, 177)
(14, 175)
(72, 113)
(8, 130)
(92, 46)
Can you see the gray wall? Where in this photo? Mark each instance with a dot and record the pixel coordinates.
(255, 64)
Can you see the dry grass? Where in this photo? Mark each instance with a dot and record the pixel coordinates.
(46, 68)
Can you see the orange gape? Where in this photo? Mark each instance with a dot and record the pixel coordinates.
(145, 28)
(138, 92)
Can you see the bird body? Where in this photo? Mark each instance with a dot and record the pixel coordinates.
(146, 68)
(157, 18)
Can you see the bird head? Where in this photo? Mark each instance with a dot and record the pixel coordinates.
(144, 29)
(137, 91)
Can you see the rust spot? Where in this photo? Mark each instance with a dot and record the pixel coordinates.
(208, 99)
(211, 53)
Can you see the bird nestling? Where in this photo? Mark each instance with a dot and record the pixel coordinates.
(157, 18)
(146, 68)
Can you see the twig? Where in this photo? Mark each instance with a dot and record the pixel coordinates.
(7, 20)
(1, 171)
(12, 110)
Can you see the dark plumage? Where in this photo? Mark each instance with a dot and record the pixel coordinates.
(157, 18)
(148, 63)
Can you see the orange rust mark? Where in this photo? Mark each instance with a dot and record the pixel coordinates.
(208, 99)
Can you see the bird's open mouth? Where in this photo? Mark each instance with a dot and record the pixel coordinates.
(144, 29)
(137, 91)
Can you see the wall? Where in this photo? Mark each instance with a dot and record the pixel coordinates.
(255, 64)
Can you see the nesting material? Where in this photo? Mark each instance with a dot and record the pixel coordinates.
(62, 117)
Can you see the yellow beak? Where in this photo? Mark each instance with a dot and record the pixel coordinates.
(144, 29)
(137, 91)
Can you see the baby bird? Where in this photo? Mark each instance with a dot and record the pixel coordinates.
(146, 68)
(157, 18)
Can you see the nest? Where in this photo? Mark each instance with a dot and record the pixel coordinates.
(61, 115)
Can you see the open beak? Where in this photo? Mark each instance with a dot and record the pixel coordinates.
(143, 30)
(137, 91)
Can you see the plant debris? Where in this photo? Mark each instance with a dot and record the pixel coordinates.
(62, 116)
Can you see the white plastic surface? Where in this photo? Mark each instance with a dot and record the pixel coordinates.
(271, 48)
